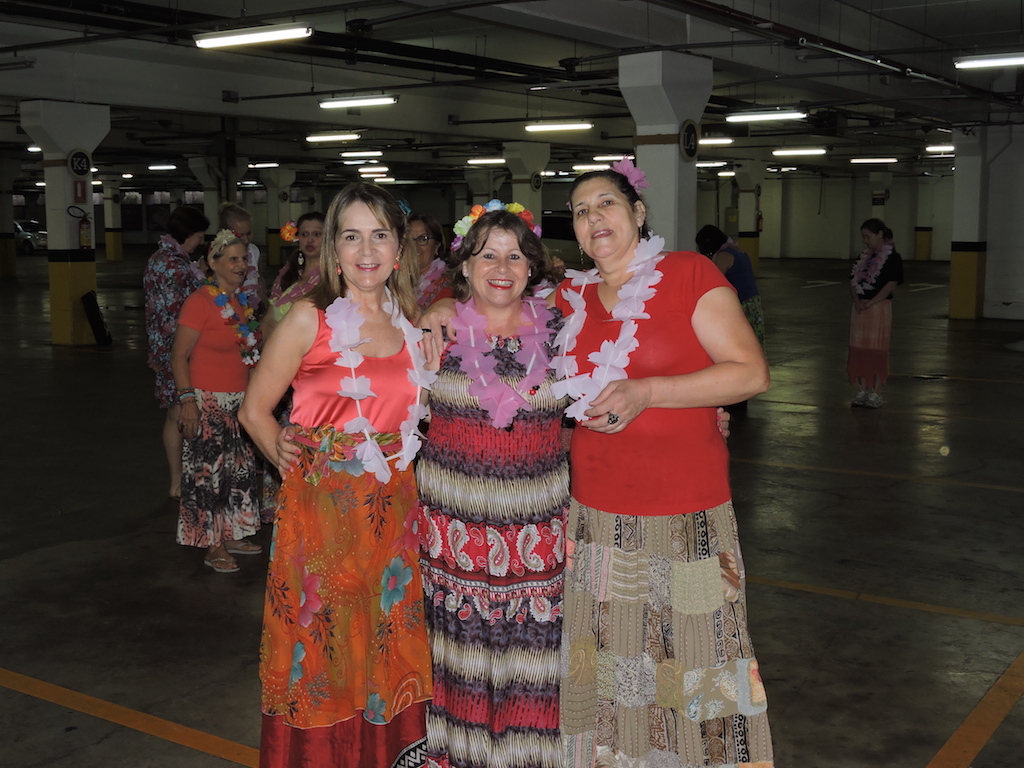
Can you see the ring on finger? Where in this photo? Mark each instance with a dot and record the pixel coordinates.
(613, 418)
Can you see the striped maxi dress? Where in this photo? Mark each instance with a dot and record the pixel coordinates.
(494, 505)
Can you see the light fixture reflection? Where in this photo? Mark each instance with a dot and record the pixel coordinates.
(266, 34)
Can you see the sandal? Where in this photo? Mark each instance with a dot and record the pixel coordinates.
(243, 548)
(222, 564)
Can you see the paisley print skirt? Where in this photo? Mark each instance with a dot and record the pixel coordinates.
(658, 667)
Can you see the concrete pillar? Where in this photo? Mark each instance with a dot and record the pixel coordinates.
(663, 89)
(483, 186)
(881, 181)
(525, 160)
(969, 248)
(278, 182)
(114, 235)
(210, 177)
(748, 181)
(1003, 295)
(9, 169)
(67, 131)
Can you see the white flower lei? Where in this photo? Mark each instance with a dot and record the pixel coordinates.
(612, 359)
(345, 321)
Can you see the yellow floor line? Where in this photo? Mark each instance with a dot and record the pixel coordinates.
(892, 602)
(922, 479)
(129, 718)
(974, 733)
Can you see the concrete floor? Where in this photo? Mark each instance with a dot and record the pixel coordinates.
(883, 548)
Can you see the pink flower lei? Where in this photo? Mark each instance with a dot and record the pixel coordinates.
(502, 401)
(345, 321)
(869, 267)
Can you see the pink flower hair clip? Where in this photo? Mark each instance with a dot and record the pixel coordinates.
(636, 178)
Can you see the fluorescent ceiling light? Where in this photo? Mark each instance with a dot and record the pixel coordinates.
(34, 148)
(40, 183)
(534, 127)
(875, 160)
(384, 179)
(486, 161)
(804, 151)
(358, 101)
(96, 182)
(727, 173)
(248, 183)
(374, 169)
(264, 165)
(167, 167)
(710, 164)
(265, 34)
(711, 142)
(941, 154)
(127, 175)
(774, 114)
(315, 137)
(548, 173)
(591, 167)
(611, 158)
(94, 169)
(363, 153)
(990, 60)
(940, 148)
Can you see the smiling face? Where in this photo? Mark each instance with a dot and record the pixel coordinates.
(311, 238)
(427, 246)
(229, 268)
(367, 249)
(498, 272)
(606, 224)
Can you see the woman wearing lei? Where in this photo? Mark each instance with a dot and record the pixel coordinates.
(344, 663)
(660, 668)
(872, 284)
(301, 273)
(215, 347)
(494, 486)
(435, 279)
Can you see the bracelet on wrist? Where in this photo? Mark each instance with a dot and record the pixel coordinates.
(187, 397)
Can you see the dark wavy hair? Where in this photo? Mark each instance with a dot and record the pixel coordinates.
(290, 274)
(402, 282)
(621, 183)
(536, 254)
(185, 221)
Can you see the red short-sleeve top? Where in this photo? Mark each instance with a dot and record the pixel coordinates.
(667, 460)
(316, 402)
(216, 361)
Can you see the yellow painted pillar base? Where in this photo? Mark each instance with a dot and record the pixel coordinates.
(274, 245)
(922, 243)
(8, 257)
(115, 245)
(967, 280)
(750, 243)
(69, 281)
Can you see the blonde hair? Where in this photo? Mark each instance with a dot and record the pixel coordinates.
(402, 282)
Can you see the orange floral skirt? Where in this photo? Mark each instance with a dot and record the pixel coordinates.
(344, 661)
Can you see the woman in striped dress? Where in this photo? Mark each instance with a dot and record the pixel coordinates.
(494, 486)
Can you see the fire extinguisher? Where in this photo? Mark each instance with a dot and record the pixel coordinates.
(84, 227)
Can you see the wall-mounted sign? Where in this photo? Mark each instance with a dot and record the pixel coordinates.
(688, 141)
(79, 163)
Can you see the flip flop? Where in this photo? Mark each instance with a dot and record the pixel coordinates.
(244, 548)
(222, 565)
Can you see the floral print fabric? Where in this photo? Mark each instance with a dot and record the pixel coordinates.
(169, 279)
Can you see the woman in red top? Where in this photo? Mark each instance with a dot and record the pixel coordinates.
(659, 659)
(214, 349)
(344, 662)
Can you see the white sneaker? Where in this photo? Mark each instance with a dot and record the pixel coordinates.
(874, 400)
(861, 400)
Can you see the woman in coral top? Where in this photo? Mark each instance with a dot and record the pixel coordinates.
(659, 658)
(214, 350)
(344, 662)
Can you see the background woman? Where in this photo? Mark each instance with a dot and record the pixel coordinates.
(494, 484)
(738, 270)
(169, 279)
(300, 274)
(435, 280)
(344, 661)
(214, 350)
(872, 284)
(658, 655)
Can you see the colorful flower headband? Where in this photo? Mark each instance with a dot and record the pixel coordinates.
(464, 224)
(290, 232)
(221, 240)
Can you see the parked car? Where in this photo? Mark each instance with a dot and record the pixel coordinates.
(29, 236)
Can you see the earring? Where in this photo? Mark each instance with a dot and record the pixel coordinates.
(339, 270)
(397, 261)
(301, 259)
